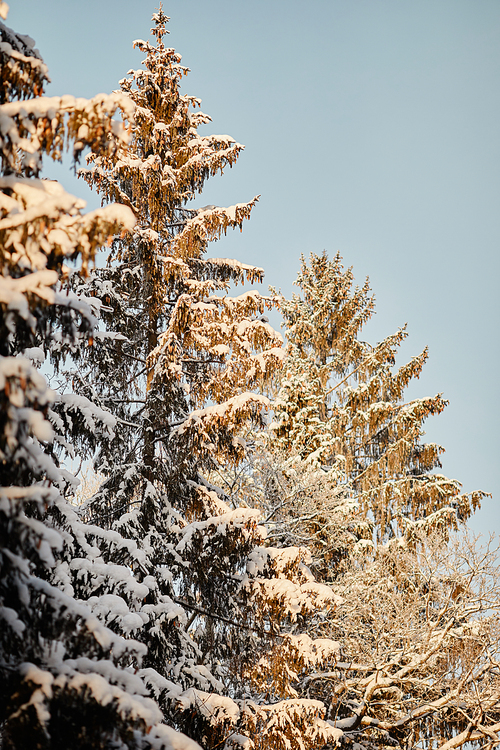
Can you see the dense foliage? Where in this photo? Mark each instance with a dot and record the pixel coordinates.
(304, 603)
(341, 404)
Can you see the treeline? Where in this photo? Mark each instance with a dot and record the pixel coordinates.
(269, 559)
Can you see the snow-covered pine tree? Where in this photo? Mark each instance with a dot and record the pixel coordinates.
(419, 625)
(176, 365)
(66, 680)
(418, 628)
(170, 330)
(341, 404)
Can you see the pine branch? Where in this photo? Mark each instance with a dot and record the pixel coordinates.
(125, 400)
(226, 620)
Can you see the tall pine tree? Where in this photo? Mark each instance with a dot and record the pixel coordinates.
(342, 405)
(177, 365)
(418, 629)
(64, 675)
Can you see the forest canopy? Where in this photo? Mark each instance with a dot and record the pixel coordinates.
(268, 555)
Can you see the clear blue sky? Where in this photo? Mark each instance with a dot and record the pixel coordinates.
(371, 127)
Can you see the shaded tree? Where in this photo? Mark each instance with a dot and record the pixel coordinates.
(175, 370)
(63, 673)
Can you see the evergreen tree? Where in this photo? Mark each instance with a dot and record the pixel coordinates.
(162, 587)
(177, 365)
(65, 677)
(341, 404)
(418, 628)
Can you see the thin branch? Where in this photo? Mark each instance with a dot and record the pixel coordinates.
(211, 615)
(137, 375)
(126, 400)
(137, 359)
(344, 379)
(129, 424)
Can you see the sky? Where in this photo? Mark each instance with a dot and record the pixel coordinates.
(371, 127)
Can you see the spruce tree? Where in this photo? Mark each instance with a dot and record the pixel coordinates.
(418, 629)
(64, 675)
(341, 404)
(177, 365)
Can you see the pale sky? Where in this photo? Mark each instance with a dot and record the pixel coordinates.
(371, 128)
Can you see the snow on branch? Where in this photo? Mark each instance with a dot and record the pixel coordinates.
(22, 69)
(291, 723)
(210, 225)
(39, 218)
(211, 429)
(40, 125)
